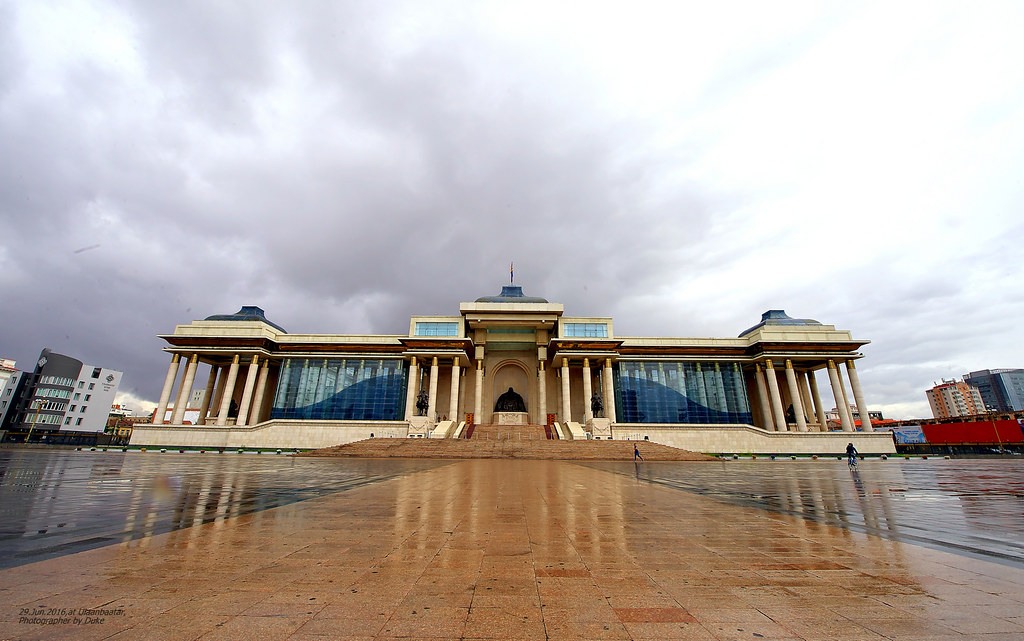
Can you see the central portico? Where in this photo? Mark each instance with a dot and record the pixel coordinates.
(504, 341)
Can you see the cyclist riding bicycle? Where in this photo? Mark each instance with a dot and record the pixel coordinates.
(851, 453)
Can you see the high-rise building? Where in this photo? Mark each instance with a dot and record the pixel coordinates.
(955, 398)
(1002, 390)
(60, 394)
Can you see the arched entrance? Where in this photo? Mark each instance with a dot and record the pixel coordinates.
(511, 374)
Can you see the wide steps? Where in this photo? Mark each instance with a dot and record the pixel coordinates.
(510, 449)
(529, 432)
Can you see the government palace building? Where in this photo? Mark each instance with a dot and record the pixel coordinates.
(518, 363)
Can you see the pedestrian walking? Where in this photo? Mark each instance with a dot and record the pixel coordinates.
(636, 453)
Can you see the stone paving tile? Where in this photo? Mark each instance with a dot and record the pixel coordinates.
(520, 549)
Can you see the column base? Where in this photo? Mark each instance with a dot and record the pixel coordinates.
(600, 427)
(420, 426)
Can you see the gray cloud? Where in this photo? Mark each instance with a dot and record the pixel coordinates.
(346, 166)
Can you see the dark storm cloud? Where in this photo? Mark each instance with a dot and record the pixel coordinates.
(346, 165)
(410, 186)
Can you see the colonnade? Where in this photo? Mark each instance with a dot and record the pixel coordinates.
(607, 389)
(220, 388)
(453, 395)
(803, 393)
(435, 364)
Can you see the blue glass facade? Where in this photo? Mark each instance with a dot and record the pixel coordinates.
(351, 389)
(680, 392)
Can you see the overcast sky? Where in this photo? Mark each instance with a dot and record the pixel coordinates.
(681, 167)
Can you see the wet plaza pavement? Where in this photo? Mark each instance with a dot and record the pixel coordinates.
(224, 546)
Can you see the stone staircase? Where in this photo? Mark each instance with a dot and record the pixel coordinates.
(507, 448)
(531, 432)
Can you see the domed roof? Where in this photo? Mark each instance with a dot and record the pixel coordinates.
(511, 294)
(779, 317)
(247, 313)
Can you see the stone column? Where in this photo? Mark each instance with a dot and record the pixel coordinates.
(609, 390)
(762, 395)
(478, 393)
(858, 397)
(542, 394)
(588, 391)
(207, 395)
(250, 381)
(837, 392)
(432, 407)
(773, 389)
(794, 396)
(261, 390)
(846, 398)
(186, 390)
(229, 391)
(819, 408)
(453, 400)
(165, 393)
(566, 406)
(805, 398)
(413, 389)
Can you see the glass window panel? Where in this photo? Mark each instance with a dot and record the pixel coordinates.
(680, 392)
(586, 330)
(342, 389)
(436, 329)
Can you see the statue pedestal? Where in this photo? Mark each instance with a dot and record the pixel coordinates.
(600, 427)
(510, 418)
(420, 426)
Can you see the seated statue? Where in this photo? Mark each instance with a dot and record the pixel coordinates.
(596, 405)
(510, 402)
(422, 403)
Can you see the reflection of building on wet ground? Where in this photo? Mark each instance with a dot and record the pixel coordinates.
(229, 546)
(261, 386)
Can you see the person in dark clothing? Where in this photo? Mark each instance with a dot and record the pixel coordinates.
(636, 453)
(851, 455)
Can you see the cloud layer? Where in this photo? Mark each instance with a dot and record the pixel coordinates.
(678, 167)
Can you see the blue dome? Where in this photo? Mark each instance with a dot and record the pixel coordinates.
(511, 294)
(779, 317)
(247, 313)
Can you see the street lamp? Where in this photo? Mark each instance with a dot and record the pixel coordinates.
(39, 406)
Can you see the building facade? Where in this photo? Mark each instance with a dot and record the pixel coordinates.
(955, 398)
(1002, 390)
(60, 394)
(510, 359)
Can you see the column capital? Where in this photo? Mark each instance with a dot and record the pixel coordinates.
(768, 364)
(433, 363)
(541, 365)
(479, 363)
(412, 360)
(789, 364)
(586, 362)
(831, 364)
(849, 364)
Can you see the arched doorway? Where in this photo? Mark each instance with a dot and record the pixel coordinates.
(511, 373)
